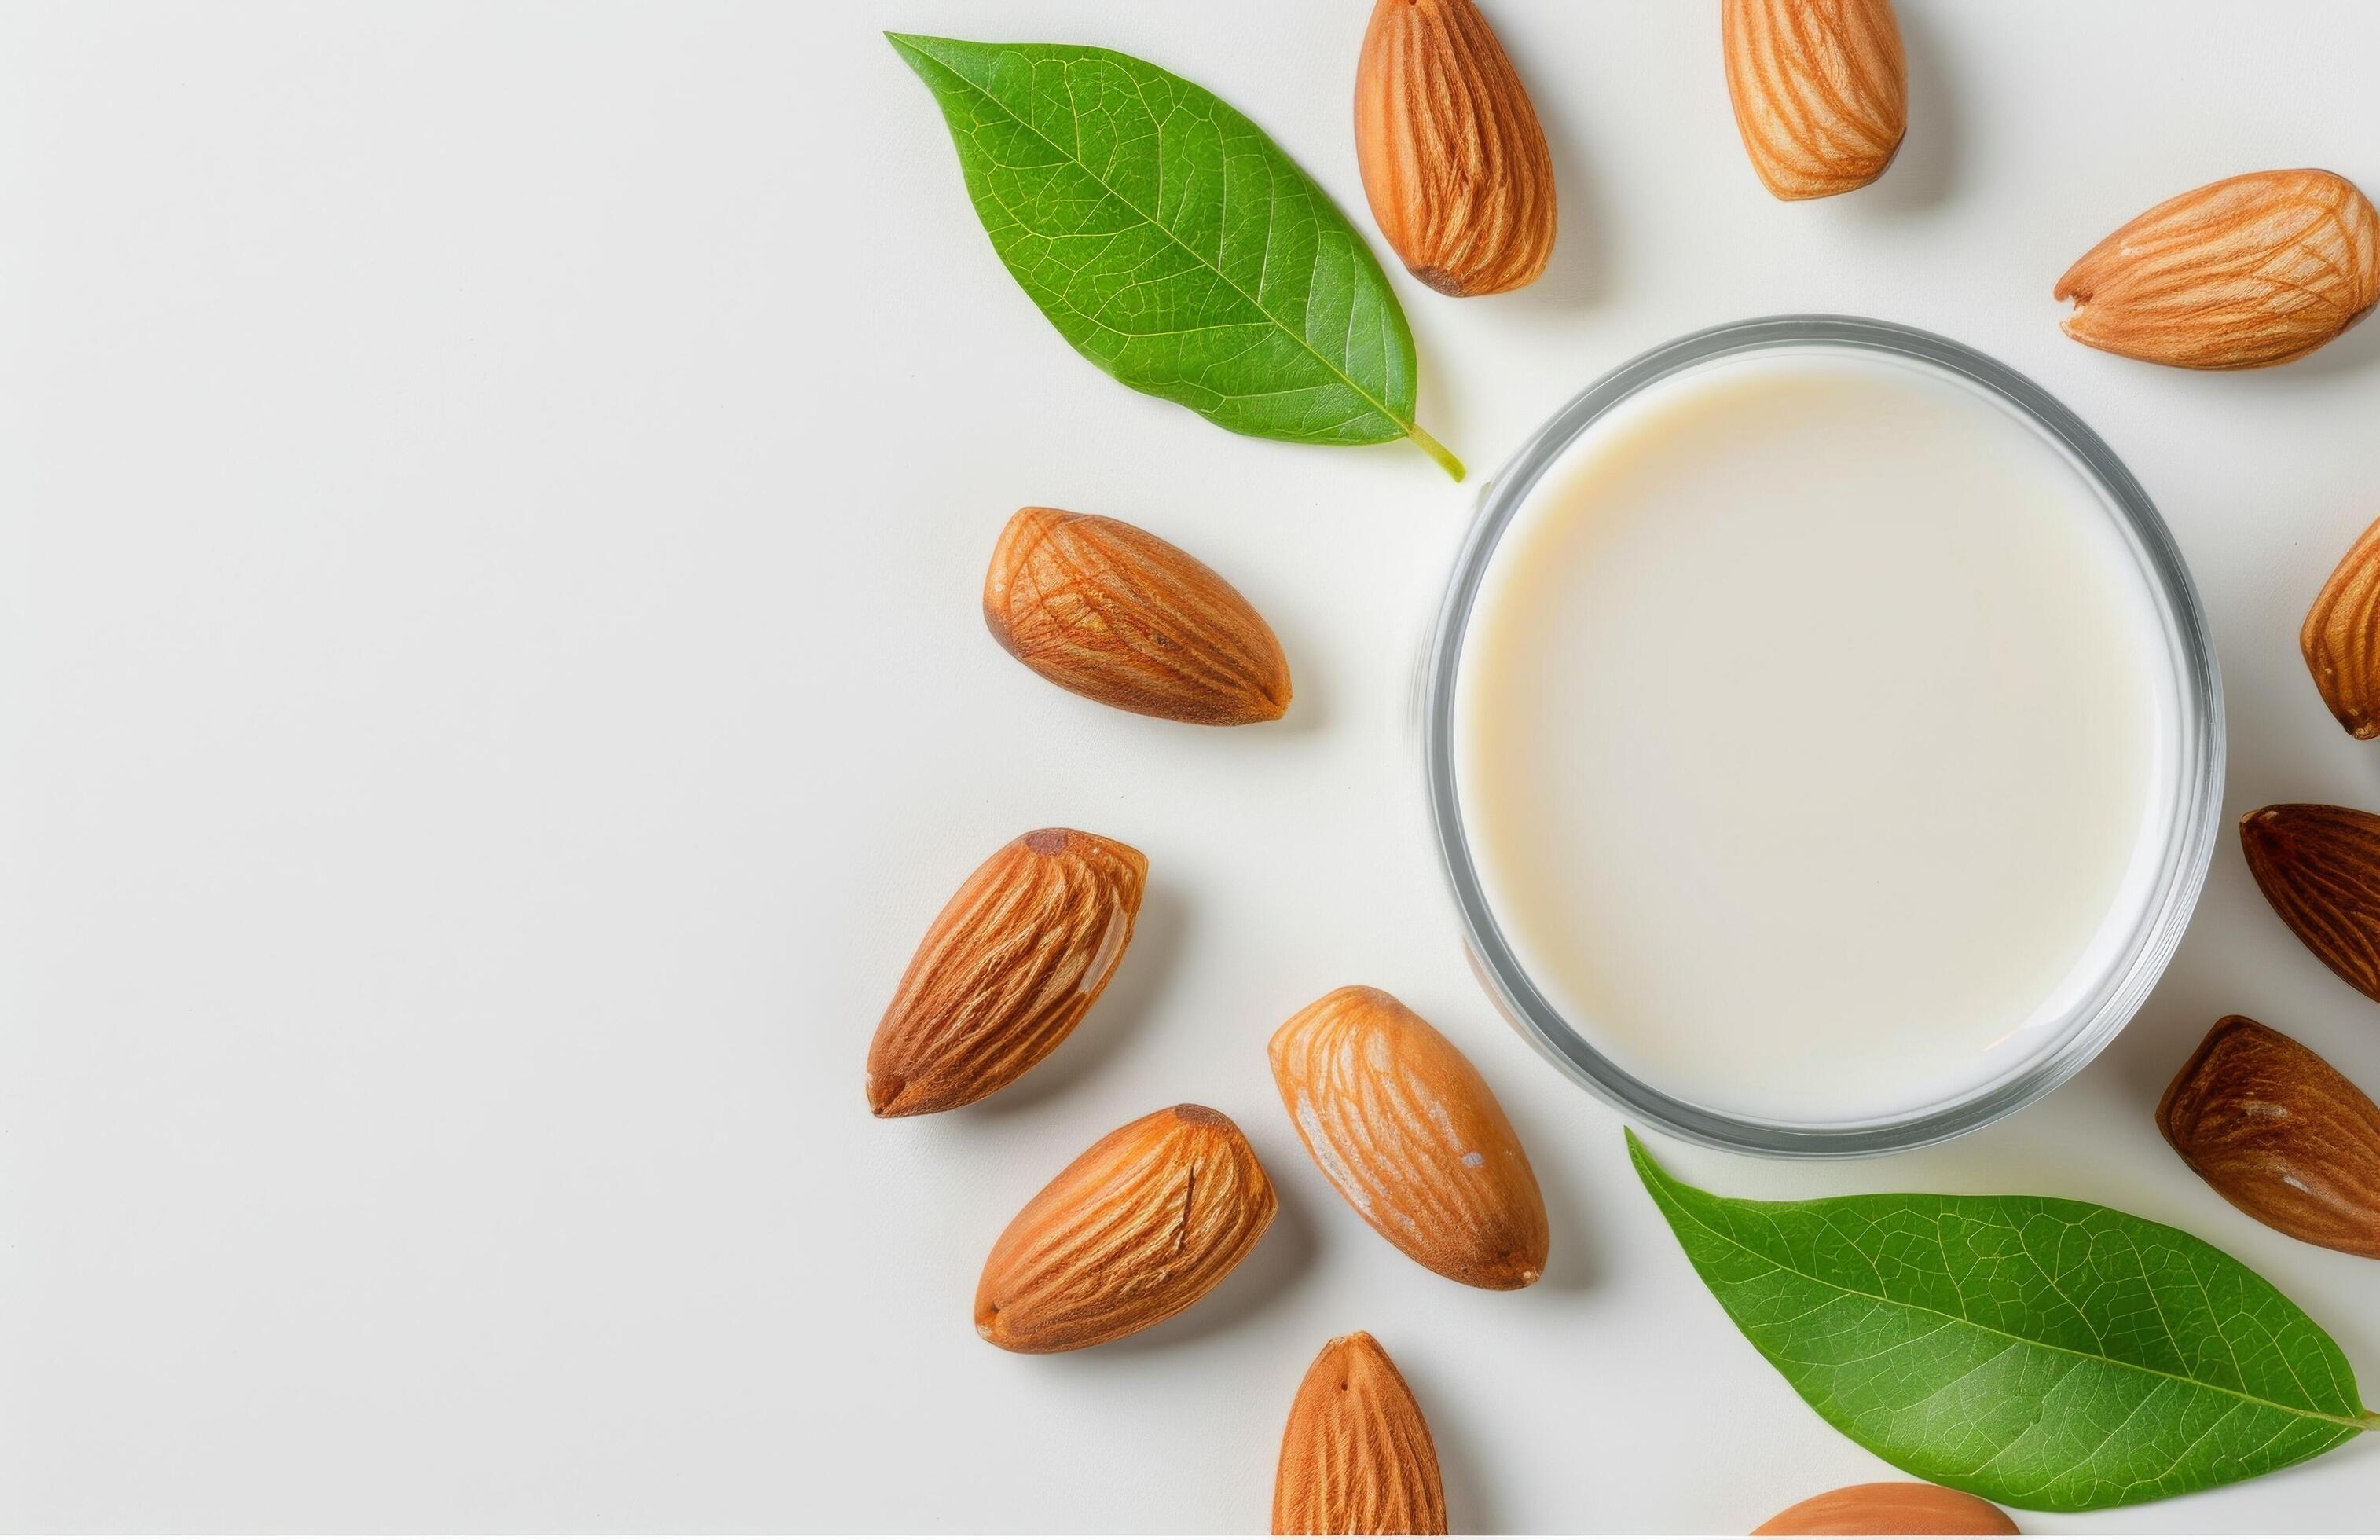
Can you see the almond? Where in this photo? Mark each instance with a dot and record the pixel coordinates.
(2320, 869)
(2283, 1137)
(1009, 967)
(1820, 90)
(1107, 610)
(1453, 160)
(2341, 637)
(1409, 1134)
(1356, 1458)
(1891, 1508)
(2250, 271)
(1137, 1229)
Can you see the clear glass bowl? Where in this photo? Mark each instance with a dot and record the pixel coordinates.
(2189, 823)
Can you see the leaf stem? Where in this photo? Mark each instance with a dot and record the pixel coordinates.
(1435, 450)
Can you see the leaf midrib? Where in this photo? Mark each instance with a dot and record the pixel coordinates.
(2364, 1425)
(1405, 425)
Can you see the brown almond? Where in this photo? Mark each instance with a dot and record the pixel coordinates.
(1820, 90)
(1008, 968)
(1110, 611)
(1356, 1458)
(2281, 1135)
(2319, 866)
(2341, 637)
(1891, 1508)
(1412, 1137)
(1137, 1229)
(1454, 162)
(2239, 273)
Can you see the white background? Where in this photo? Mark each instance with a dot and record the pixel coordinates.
(492, 690)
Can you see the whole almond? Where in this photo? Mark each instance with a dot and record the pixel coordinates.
(2280, 1133)
(1137, 1229)
(1409, 1134)
(1891, 1508)
(1008, 968)
(2341, 637)
(2320, 869)
(1110, 611)
(1356, 1458)
(2250, 271)
(1453, 160)
(1820, 90)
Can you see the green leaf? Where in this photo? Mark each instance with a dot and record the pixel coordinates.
(2038, 1351)
(1173, 244)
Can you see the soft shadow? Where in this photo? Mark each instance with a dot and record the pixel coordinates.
(1286, 1250)
(2132, 1073)
(1415, 718)
(2356, 350)
(2150, 1051)
(1445, 410)
(1570, 1260)
(1114, 1019)
(1579, 272)
(1920, 176)
(1470, 1488)
(1309, 690)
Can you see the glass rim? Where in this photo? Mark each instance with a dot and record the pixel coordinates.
(2190, 827)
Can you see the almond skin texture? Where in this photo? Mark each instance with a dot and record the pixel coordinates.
(1454, 162)
(2283, 1137)
(1008, 968)
(1891, 1508)
(1820, 90)
(1138, 1228)
(2250, 271)
(1356, 1458)
(2341, 637)
(2320, 869)
(1409, 1134)
(1109, 611)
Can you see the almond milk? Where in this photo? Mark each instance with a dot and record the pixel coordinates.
(1812, 736)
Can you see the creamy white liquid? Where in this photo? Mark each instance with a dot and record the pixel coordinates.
(1813, 737)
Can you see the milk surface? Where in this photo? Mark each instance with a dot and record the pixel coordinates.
(1813, 732)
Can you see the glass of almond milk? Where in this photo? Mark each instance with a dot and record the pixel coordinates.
(1824, 738)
